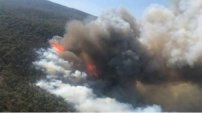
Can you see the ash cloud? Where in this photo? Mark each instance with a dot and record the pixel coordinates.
(131, 66)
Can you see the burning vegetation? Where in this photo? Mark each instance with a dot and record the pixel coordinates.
(127, 60)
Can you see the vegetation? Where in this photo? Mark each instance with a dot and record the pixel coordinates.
(25, 26)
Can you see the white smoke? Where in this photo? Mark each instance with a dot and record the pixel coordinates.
(81, 96)
(174, 34)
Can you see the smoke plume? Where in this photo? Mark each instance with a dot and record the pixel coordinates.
(114, 63)
(80, 95)
(176, 96)
(174, 35)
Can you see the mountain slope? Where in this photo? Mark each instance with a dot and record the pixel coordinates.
(25, 26)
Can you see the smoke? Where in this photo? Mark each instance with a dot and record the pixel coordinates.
(126, 65)
(177, 96)
(174, 34)
(80, 95)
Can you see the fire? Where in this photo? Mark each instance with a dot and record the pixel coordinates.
(91, 69)
(57, 47)
(90, 66)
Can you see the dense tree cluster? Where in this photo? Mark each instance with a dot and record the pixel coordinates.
(24, 29)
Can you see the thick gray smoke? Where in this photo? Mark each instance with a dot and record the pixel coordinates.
(127, 66)
(104, 41)
(173, 37)
(175, 34)
(175, 96)
(80, 95)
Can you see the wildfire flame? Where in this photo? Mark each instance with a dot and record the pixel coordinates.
(91, 69)
(90, 66)
(57, 46)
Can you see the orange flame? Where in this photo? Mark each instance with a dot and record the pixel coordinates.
(57, 46)
(90, 66)
(91, 69)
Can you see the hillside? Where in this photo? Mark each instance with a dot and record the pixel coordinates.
(25, 26)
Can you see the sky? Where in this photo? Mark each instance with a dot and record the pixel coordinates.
(96, 7)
